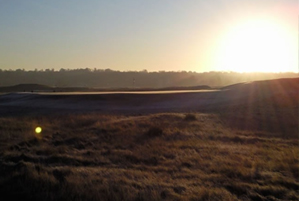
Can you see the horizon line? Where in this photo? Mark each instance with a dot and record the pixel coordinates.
(140, 71)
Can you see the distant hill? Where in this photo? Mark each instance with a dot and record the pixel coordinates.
(283, 84)
(40, 88)
(44, 88)
(87, 78)
(25, 88)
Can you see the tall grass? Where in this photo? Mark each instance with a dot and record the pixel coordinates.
(154, 157)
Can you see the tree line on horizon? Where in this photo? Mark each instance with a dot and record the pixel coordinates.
(107, 78)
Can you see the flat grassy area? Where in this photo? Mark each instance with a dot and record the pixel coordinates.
(166, 156)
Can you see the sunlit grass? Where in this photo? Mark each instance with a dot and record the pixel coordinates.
(154, 157)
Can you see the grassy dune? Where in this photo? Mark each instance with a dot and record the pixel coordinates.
(166, 156)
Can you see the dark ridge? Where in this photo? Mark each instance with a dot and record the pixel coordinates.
(286, 83)
(44, 88)
(25, 88)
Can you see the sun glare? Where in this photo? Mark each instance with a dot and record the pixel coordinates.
(257, 46)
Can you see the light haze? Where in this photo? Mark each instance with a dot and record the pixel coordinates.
(133, 35)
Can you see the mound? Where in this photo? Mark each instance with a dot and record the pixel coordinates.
(25, 87)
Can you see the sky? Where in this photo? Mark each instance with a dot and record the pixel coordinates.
(156, 35)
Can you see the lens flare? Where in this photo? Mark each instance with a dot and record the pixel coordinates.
(38, 130)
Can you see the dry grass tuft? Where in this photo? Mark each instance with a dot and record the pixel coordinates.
(190, 117)
(154, 132)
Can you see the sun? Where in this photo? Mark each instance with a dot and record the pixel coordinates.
(257, 45)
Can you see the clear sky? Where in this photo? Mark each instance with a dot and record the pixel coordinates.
(170, 35)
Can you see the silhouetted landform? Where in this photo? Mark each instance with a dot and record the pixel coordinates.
(272, 85)
(270, 105)
(25, 88)
(97, 78)
(41, 88)
(44, 88)
(245, 106)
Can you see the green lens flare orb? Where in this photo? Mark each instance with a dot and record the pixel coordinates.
(38, 130)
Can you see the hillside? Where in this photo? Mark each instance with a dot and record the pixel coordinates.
(239, 143)
(165, 156)
(25, 88)
(243, 106)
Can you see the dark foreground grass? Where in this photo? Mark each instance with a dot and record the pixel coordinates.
(139, 158)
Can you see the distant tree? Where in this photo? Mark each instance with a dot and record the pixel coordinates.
(108, 70)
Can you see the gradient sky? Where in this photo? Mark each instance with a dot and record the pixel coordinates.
(170, 35)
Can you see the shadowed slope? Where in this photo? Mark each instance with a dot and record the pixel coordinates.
(262, 105)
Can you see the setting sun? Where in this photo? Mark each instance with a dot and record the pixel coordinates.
(257, 45)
